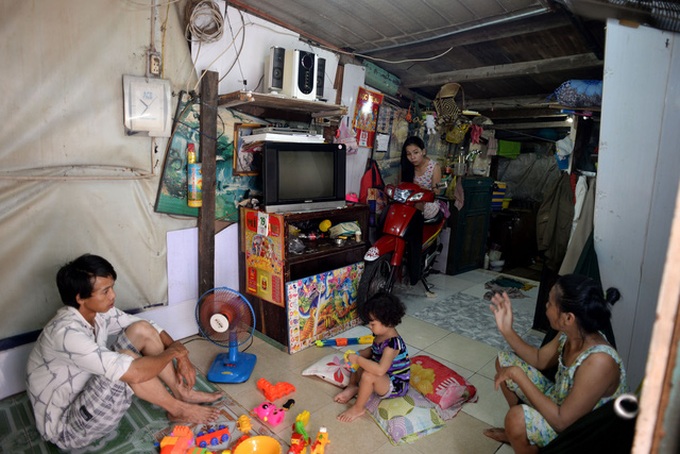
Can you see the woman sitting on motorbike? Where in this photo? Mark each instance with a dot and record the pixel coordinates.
(417, 168)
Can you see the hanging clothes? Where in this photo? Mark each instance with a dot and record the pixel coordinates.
(553, 221)
(583, 229)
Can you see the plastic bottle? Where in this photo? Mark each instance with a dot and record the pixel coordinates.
(194, 179)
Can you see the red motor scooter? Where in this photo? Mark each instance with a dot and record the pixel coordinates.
(385, 260)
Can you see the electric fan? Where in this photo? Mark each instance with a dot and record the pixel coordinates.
(226, 318)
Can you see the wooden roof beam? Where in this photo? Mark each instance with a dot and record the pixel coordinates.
(569, 62)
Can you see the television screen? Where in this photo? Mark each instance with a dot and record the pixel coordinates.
(306, 175)
(303, 176)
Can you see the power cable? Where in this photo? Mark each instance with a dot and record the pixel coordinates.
(205, 23)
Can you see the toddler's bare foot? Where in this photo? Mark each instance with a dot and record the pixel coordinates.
(346, 394)
(351, 414)
(194, 413)
(193, 396)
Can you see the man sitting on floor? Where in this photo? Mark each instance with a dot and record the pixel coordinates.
(81, 383)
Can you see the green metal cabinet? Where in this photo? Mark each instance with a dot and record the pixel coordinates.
(470, 226)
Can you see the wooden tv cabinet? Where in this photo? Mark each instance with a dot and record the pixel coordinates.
(267, 264)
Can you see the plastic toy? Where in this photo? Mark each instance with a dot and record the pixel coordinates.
(260, 444)
(342, 341)
(244, 424)
(213, 437)
(178, 442)
(319, 445)
(274, 392)
(351, 366)
(299, 439)
(268, 412)
(241, 439)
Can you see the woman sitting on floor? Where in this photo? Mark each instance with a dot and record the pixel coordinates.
(590, 372)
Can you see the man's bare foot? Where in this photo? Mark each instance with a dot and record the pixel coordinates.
(351, 414)
(194, 413)
(497, 433)
(193, 396)
(346, 394)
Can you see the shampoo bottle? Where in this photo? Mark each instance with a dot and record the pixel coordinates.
(194, 178)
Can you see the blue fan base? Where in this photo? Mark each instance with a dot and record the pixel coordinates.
(224, 371)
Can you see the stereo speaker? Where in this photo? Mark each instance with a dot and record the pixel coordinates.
(273, 69)
(320, 75)
(299, 75)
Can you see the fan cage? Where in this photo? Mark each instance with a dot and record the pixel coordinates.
(235, 307)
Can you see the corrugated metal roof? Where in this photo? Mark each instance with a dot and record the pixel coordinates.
(502, 52)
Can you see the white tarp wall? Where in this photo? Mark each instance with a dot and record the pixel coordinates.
(71, 180)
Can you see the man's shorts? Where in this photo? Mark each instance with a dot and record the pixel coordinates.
(99, 407)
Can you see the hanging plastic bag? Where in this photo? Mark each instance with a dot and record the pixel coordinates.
(456, 133)
(347, 135)
(371, 179)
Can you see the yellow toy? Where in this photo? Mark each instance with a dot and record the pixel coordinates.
(319, 445)
(299, 438)
(351, 366)
(244, 424)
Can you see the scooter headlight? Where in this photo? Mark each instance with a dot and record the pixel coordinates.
(417, 196)
(401, 195)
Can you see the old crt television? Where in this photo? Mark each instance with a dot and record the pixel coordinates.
(303, 176)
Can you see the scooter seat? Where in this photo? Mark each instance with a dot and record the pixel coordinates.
(435, 220)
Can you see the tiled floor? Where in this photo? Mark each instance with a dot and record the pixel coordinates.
(472, 359)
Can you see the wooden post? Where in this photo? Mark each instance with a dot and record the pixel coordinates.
(207, 153)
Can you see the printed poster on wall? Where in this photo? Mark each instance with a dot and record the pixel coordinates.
(322, 306)
(230, 188)
(366, 116)
(263, 242)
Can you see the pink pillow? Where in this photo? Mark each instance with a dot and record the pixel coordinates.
(440, 384)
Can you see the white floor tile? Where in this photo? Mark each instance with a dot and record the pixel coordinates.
(505, 449)
(489, 369)
(491, 406)
(468, 353)
(420, 334)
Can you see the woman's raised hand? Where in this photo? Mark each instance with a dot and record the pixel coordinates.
(502, 311)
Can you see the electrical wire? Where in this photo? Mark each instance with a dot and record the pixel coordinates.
(238, 54)
(241, 30)
(205, 23)
(407, 60)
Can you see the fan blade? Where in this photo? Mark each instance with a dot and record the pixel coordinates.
(225, 317)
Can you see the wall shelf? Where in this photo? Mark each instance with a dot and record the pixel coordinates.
(263, 104)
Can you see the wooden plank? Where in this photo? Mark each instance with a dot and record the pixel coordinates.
(241, 99)
(654, 400)
(530, 125)
(514, 102)
(207, 153)
(570, 62)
